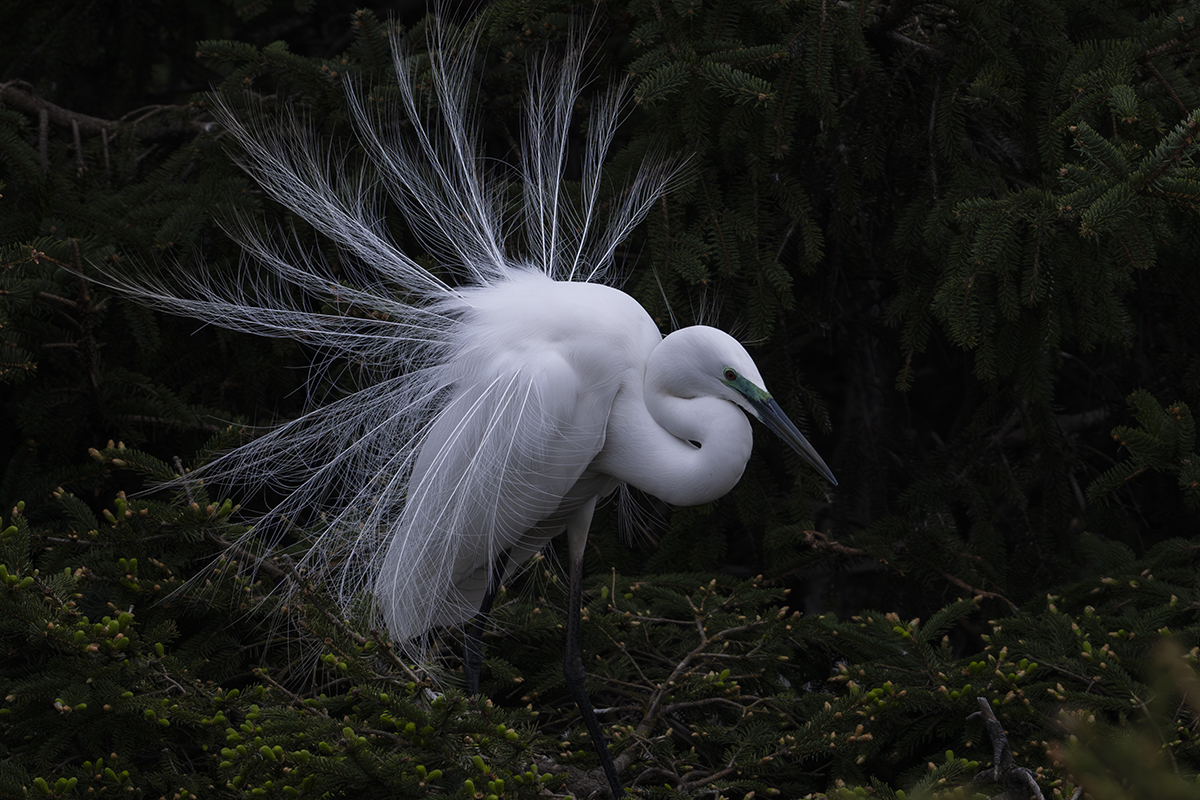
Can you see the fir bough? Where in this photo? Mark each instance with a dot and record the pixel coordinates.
(993, 203)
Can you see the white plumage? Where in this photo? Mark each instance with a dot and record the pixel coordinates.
(494, 408)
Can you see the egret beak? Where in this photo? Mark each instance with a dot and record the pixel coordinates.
(770, 414)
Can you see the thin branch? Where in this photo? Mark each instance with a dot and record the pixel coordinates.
(819, 541)
(20, 96)
(1183, 109)
(1017, 782)
(976, 591)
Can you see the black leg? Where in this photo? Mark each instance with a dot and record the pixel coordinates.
(576, 679)
(473, 647)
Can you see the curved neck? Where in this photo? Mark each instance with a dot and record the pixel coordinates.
(661, 422)
(710, 443)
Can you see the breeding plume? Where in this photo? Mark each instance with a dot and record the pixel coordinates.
(500, 398)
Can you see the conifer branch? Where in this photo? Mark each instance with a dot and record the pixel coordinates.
(1158, 76)
(1173, 45)
(820, 541)
(20, 95)
(978, 592)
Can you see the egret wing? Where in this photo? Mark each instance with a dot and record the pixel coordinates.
(501, 468)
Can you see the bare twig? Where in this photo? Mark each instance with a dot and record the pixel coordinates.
(19, 95)
(1017, 782)
(44, 139)
(976, 591)
(1158, 76)
(79, 164)
(819, 541)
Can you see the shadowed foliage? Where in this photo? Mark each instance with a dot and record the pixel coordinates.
(959, 240)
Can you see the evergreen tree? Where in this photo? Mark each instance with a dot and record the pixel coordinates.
(961, 238)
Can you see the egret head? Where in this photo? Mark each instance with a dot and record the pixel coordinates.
(699, 360)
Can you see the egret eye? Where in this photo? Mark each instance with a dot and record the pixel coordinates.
(730, 375)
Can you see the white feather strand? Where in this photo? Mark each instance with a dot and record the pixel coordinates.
(448, 457)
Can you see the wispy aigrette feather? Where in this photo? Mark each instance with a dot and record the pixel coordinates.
(422, 345)
(496, 407)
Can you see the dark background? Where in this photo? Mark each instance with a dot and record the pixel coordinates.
(959, 239)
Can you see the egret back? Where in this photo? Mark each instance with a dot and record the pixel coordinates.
(511, 457)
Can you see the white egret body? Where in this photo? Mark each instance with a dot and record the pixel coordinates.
(584, 367)
(493, 409)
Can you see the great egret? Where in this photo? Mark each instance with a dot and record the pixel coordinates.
(496, 408)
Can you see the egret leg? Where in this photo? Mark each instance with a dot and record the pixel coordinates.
(573, 672)
(473, 647)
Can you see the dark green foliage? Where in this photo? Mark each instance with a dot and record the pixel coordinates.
(1130, 761)
(121, 678)
(708, 683)
(1164, 441)
(962, 237)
